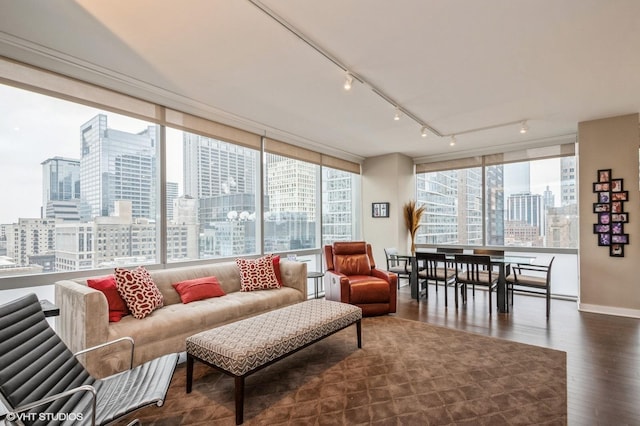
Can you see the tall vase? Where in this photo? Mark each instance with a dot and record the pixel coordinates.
(413, 246)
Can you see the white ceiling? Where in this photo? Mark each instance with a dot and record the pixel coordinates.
(456, 65)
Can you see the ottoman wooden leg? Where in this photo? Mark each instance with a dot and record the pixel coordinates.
(189, 373)
(359, 332)
(239, 399)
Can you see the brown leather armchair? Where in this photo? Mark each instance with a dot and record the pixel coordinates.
(352, 277)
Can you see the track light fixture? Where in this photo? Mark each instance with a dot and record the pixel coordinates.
(423, 132)
(348, 79)
(365, 83)
(453, 140)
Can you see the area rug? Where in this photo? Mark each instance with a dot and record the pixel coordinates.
(407, 372)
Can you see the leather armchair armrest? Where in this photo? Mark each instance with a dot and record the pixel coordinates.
(389, 277)
(336, 286)
(392, 279)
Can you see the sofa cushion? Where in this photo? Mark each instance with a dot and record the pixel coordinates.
(138, 290)
(198, 289)
(257, 274)
(365, 289)
(107, 285)
(171, 324)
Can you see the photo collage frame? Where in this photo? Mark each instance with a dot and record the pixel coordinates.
(609, 208)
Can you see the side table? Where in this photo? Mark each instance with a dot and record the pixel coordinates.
(49, 309)
(317, 282)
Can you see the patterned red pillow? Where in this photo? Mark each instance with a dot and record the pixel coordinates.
(139, 291)
(257, 274)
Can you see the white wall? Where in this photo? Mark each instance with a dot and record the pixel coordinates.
(388, 178)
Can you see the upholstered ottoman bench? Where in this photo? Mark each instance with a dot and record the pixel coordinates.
(243, 347)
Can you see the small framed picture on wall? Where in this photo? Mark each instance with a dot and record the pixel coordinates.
(380, 210)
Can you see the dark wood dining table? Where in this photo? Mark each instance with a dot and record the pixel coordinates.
(503, 263)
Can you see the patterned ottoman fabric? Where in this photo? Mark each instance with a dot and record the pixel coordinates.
(243, 346)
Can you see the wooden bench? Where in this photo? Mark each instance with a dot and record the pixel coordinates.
(244, 347)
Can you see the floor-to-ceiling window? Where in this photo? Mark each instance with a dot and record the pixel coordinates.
(291, 208)
(212, 198)
(532, 203)
(340, 205)
(79, 189)
(453, 206)
(524, 202)
(86, 188)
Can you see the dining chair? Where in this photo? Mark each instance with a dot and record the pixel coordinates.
(532, 278)
(473, 269)
(450, 251)
(434, 267)
(399, 266)
(489, 252)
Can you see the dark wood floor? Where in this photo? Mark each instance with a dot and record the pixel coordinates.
(603, 351)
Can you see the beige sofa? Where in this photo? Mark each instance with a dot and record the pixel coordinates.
(83, 320)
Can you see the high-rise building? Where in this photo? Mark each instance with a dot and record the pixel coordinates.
(495, 196)
(61, 188)
(291, 186)
(30, 237)
(172, 194)
(453, 207)
(220, 179)
(568, 175)
(213, 167)
(117, 166)
(548, 199)
(338, 204)
(526, 208)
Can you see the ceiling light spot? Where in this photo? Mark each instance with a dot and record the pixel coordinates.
(348, 80)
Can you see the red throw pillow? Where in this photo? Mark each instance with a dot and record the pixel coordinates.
(198, 289)
(117, 306)
(257, 274)
(139, 291)
(276, 269)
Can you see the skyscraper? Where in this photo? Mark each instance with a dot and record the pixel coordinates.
(568, 175)
(338, 202)
(526, 208)
(213, 167)
(221, 178)
(61, 188)
(117, 166)
(172, 194)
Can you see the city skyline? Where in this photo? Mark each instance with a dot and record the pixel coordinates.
(31, 133)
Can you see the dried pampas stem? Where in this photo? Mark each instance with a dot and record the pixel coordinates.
(412, 216)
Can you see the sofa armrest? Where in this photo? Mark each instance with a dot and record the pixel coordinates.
(84, 315)
(294, 275)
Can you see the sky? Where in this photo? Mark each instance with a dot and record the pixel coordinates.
(34, 128)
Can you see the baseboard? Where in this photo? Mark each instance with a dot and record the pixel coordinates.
(609, 310)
